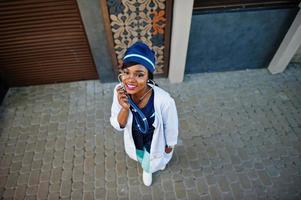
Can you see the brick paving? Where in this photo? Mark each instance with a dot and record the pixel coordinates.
(240, 138)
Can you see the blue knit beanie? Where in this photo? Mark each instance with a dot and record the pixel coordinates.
(140, 53)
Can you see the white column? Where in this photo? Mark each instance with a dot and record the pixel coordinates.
(288, 47)
(182, 13)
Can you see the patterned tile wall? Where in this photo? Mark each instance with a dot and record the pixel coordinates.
(133, 20)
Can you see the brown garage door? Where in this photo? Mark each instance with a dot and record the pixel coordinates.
(43, 42)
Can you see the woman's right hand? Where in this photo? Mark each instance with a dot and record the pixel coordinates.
(122, 98)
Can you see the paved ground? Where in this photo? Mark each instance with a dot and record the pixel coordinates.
(240, 138)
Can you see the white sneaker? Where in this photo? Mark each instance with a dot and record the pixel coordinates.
(147, 178)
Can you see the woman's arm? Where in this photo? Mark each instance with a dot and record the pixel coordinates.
(119, 110)
(124, 112)
(170, 122)
(123, 117)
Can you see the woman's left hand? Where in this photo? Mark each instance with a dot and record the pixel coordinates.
(168, 149)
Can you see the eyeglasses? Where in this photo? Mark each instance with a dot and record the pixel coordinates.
(126, 75)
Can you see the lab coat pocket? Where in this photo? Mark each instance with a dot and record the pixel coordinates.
(157, 161)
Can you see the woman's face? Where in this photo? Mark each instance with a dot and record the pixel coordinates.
(135, 79)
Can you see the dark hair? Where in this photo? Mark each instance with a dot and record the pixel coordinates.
(130, 64)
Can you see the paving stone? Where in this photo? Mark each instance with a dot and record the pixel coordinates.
(207, 171)
(121, 169)
(57, 162)
(48, 157)
(211, 179)
(66, 187)
(20, 192)
(122, 190)
(9, 193)
(180, 190)
(100, 183)
(177, 177)
(34, 178)
(54, 187)
(133, 192)
(252, 174)
(4, 172)
(32, 190)
(110, 175)
(259, 189)
(202, 187)
(56, 174)
(77, 194)
(211, 152)
(25, 168)
(18, 158)
(232, 176)
(100, 193)
(23, 179)
(99, 158)
(43, 190)
(20, 147)
(235, 160)
(205, 197)
(223, 183)
(78, 173)
(30, 148)
(132, 172)
(237, 191)
(67, 165)
(184, 164)
(28, 157)
(12, 180)
(77, 186)
(88, 196)
(157, 192)
(110, 185)
(189, 183)
(14, 167)
(135, 181)
(130, 163)
(88, 165)
(57, 142)
(99, 172)
(227, 195)
(264, 177)
(191, 153)
(36, 165)
(78, 160)
(259, 166)
(193, 195)
(244, 181)
(146, 196)
(169, 195)
(214, 192)
(67, 174)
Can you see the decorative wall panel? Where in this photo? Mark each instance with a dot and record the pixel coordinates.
(145, 20)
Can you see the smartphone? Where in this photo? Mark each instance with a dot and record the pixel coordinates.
(122, 85)
(123, 88)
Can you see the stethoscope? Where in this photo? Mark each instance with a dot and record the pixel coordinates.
(143, 128)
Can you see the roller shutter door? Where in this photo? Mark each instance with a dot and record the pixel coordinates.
(43, 42)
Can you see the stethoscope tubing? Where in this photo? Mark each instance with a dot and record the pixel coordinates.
(142, 128)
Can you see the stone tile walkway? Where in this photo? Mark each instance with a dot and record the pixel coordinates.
(240, 138)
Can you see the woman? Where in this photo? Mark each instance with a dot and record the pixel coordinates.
(153, 145)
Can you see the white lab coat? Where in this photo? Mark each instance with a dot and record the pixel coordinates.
(165, 133)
